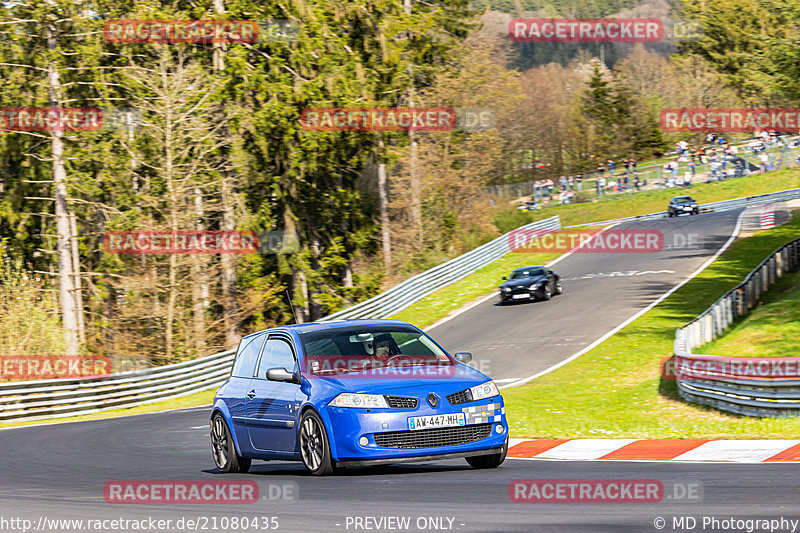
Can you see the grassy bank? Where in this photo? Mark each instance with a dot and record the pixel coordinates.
(624, 205)
(615, 390)
(771, 330)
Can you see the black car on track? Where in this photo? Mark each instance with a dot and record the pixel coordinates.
(682, 204)
(530, 283)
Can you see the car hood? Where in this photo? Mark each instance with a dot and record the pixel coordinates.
(527, 282)
(450, 378)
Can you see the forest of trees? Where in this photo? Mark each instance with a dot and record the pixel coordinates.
(208, 138)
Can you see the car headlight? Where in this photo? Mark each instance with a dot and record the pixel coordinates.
(505, 289)
(364, 401)
(487, 390)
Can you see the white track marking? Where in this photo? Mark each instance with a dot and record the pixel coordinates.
(584, 449)
(738, 451)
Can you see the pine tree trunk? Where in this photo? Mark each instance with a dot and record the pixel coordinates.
(230, 307)
(66, 271)
(383, 206)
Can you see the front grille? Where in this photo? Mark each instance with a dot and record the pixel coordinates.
(399, 402)
(432, 438)
(463, 396)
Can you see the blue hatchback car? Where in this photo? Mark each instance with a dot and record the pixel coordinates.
(354, 392)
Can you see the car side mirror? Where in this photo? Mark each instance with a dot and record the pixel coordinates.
(463, 357)
(505, 277)
(281, 374)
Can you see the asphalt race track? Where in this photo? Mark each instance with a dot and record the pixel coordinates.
(601, 290)
(59, 471)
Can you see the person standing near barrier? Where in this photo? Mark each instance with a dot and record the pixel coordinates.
(579, 182)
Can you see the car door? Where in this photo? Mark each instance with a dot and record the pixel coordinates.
(234, 393)
(271, 405)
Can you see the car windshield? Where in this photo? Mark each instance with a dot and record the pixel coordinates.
(528, 273)
(360, 348)
(681, 199)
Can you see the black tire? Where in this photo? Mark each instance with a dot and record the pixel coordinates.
(224, 450)
(489, 461)
(546, 295)
(559, 288)
(315, 449)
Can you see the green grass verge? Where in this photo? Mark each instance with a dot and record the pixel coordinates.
(770, 330)
(615, 390)
(484, 281)
(194, 400)
(624, 205)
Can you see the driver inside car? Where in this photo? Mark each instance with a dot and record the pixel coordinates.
(385, 347)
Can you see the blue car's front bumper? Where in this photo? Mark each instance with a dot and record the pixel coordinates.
(347, 426)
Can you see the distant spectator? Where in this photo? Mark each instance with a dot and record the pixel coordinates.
(611, 167)
(601, 169)
(764, 161)
(579, 182)
(636, 183)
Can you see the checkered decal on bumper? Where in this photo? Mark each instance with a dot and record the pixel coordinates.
(481, 414)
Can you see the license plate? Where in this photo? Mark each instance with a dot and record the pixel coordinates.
(436, 421)
(687, 208)
(519, 296)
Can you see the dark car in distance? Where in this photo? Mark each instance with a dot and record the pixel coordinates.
(682, 204)
(530, 283)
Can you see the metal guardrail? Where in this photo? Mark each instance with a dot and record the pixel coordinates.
(417, 287)
(734, 386)
(32, 400)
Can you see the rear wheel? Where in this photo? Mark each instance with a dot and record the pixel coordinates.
(314, 447)
(224, 450)
(559, 288)
(489, 461)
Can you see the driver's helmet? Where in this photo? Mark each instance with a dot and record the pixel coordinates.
(382, 341)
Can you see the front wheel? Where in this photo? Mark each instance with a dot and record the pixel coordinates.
(314, 447)
(546, 293)
(488, 461)
(559, 288)
(224, 450)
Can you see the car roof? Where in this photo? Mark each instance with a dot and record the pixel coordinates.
(527, 268)
(682, 197)
(333, 324)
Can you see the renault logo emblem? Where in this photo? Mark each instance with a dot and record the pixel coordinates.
(433, 400)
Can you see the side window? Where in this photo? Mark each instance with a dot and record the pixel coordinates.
(246, 357)
(277, 354)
